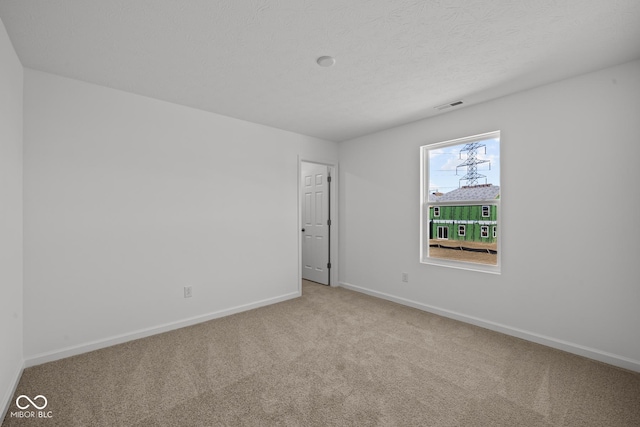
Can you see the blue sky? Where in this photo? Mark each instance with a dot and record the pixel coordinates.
(443, 162)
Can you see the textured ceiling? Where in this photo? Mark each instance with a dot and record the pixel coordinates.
(255, 59)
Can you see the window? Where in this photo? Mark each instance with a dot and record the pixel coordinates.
(460, 191)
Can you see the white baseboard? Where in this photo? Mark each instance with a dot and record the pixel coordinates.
(143, 333)
(7, 400)
(591, 353)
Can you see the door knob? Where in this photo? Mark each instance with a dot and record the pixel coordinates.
(303, 230)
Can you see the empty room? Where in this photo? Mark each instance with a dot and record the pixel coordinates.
(315, 213)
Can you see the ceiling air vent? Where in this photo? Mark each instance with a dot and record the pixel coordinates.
(445, 106)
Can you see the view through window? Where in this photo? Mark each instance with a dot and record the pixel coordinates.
(461, 202)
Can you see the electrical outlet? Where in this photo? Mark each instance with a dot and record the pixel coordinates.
(405, 277)
(187, 291)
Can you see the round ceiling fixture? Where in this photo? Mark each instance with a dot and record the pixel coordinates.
(326, 61)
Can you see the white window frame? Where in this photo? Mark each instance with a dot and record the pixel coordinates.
(436, 211)
(425, 206)
(486, 209)
(462, 230)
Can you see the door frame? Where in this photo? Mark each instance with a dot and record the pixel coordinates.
(333, 212)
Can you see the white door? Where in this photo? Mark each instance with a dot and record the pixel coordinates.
(315, 216)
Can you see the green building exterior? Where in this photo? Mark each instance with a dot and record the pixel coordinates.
(475, 223)
(461, 215)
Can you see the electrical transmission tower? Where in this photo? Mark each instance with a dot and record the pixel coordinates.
(472, 163)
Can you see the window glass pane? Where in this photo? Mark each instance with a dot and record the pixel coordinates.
(469, 171)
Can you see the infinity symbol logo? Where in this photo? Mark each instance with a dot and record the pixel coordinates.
(22, 397)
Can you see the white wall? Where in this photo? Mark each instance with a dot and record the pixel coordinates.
(128, 199)
(11, 359)
(570, 203)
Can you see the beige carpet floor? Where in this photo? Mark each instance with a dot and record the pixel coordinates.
(331, 357)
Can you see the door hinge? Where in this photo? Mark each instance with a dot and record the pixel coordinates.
(329, 178)
(329, 265)
(329, 222)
